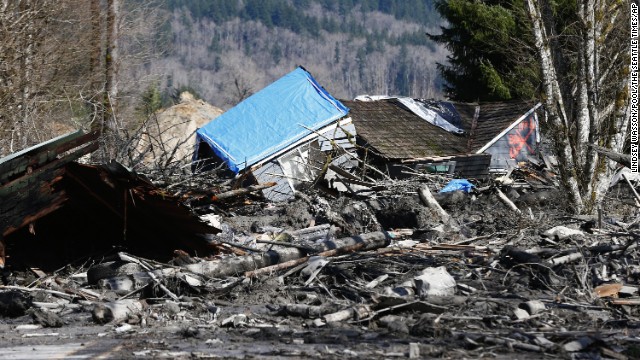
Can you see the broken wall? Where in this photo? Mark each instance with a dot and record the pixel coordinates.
(518, 144)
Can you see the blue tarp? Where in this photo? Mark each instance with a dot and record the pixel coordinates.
(271, 120)
(458, 184)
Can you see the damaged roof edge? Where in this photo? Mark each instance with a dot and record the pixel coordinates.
(505, 131)
(271, 120)
(29, 178)
(44, 152)
(313, 135)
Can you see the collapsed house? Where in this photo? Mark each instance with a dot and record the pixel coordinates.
(280, 134)
(470, 140)
(51, 202)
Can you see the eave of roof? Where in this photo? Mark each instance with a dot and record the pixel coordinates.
(396, 133)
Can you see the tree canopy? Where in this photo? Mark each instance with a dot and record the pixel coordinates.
(491, 57)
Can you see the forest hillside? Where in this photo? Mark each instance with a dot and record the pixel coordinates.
(226, 50)
(111, 65)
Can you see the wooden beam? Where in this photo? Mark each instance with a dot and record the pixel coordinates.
(36, 156)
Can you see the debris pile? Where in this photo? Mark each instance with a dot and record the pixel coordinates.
(294, 235)
(403, 270)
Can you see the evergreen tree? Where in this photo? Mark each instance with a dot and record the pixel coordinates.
(490, 50)
(150, 100)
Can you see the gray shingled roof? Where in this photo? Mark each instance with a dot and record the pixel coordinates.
(397, 133)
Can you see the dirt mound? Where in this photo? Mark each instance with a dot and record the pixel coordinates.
(169, 135)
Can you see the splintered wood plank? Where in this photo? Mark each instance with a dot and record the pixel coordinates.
(19, 162)
(25, 217)
(33, 195)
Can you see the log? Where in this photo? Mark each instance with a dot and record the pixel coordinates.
(507, 202)
(356, 312)
(635, 193)
(231, 194)
(565, 259)
(246, 264)
(290, 263)
(629, 301)
(371, 241)
(428, 199)
(308, 311)
(624, 159)
(513, 344)
(312, 233)
(368, 241)
(237, 266)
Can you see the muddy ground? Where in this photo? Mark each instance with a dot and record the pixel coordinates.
(509, 299)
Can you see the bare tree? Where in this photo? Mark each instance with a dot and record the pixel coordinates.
(589, 105)
(111, 62)
(23, 53)
(60, 65)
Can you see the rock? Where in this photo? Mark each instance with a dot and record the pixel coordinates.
(46, 318)
(14, 303)
(174, 129)
(539, 197)
(395, 323)
(121, 285)
(434, 282)
(521, 314)
(451, 198)
(235, 320)
(578, 345)
(110, 269)
(116, 311)
(171, 307)
(414, 350)
(562, 232)
(533, 306)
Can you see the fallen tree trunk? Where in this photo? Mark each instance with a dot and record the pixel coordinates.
(507, 201)
(624, 159)
(635, 193)
(428, 199)
(242, 264)
(231, 194)
(290, 263)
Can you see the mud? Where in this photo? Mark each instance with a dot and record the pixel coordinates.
(499, 260)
